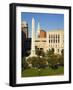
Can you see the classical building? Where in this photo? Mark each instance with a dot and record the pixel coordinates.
(54, 39)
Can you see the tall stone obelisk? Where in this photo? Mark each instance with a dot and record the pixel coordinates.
(38, 30)
(33, 40)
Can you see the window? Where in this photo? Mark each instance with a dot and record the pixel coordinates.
(41, 48)
(58, 50)
(49, 41)
(56, 45)
(49, 36)
(58, 38)
(35, 47)
(63, 41)
(43, 40)
(37, 41)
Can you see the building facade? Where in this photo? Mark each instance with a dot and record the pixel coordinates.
(24, 28)
(24, 32)
(54, 39)
(42, 34)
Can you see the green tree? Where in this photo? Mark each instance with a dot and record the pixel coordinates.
(38, 62)
(62, 51)
(40, 52)
(43, 62)
(61, 59)
(24, 64)
(53, 59)
(50, 52)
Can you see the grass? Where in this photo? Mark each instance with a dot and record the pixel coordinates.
(42, 72)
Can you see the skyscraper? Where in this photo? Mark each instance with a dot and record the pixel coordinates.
(24, 28)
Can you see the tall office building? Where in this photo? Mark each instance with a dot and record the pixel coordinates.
(24, 28)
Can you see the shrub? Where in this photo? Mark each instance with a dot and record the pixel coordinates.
(24, 64)
(37, 62)
(40, 53)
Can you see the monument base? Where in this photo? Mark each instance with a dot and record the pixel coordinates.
(32, 54)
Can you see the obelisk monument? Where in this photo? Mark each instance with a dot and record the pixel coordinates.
(33, 40)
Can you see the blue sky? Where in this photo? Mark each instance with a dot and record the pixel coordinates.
(47, 21)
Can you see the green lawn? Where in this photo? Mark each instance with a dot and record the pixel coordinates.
(42, 72)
